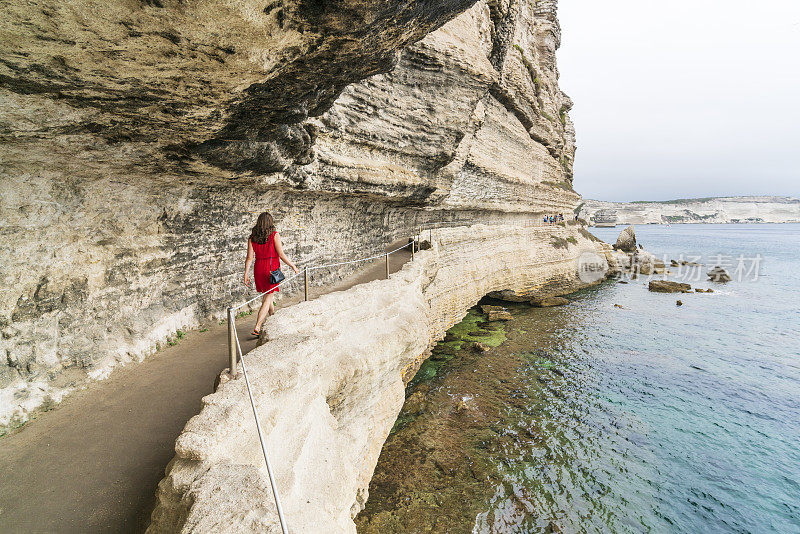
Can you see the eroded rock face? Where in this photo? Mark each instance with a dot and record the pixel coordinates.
(141, 139)
(329, 391)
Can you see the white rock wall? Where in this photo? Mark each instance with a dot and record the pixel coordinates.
(712, 210)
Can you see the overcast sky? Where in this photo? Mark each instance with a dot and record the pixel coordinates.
(683, 98)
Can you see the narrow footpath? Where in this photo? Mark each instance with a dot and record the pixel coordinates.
(94, 462)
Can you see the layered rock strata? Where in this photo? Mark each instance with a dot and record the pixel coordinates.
(763, 209)
(140, 140)
(330, 383)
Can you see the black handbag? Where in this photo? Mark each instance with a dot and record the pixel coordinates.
(276, 276)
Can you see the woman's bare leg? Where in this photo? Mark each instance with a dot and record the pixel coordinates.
(266, 302)
(272, 303)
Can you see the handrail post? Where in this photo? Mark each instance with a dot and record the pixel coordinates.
(305, 281)
(231, 343)
(413, 239)
(387, 265)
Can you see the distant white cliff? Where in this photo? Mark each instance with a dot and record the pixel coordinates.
(695, 210)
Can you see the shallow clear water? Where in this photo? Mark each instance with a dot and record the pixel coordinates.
(592, 418)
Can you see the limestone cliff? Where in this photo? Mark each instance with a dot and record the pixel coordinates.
(699, 210)
(141, 138)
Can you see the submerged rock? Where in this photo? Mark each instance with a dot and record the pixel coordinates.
(462, 406)
(547, 302)
(415, 403)
(668, 286)
(480, 347)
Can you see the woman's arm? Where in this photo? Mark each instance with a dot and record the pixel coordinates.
(248, 262)
(281, 255)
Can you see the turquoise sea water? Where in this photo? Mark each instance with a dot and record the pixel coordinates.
(711, 389)
(647, 418)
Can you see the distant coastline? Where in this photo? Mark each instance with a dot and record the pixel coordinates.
(709, 210)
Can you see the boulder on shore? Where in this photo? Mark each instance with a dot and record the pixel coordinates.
(547, 302)
(667, 286)
(718, 274)
(626, 241)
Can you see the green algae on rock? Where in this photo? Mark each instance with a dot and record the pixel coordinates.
(442, 464)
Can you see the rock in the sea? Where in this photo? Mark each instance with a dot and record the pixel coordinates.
(496, 313)
(668, 286)
(500, 315)
(673, 263)
(718, 274)
(679, 303)
(480, 347)
(547, 302)
(626, 240)
(647, 263)
(619, 306)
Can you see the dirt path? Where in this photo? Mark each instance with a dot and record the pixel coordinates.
(93, 463)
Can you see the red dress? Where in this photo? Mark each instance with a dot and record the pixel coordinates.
(267, 260)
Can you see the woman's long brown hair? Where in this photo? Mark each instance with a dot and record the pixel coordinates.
(263, 228)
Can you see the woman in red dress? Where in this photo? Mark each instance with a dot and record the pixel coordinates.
(265, 244)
